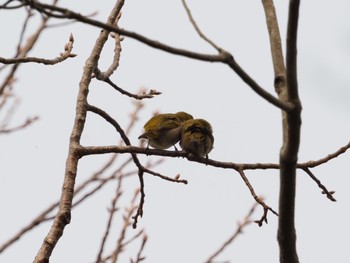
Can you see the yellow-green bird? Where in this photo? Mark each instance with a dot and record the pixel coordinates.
(164, 130)
(197, 137)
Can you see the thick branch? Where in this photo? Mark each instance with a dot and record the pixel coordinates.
(290, 147)
(64, 212)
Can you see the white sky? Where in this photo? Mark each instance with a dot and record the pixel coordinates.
(184, 223)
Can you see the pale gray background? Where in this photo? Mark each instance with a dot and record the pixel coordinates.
(185, 223)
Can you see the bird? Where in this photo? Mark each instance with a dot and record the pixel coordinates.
(197, 137)
(164, 130)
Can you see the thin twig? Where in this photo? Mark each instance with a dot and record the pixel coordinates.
(257, 199)
(6, 5)
(149, 95)
(62, 57)
(112, 211)
(241, 225)
(329, 194)
(126, 224)
(312, 164)
(140, 258)
(27, 123)
(175, 180)
(196, 27)
(133, 238)
(24, 28)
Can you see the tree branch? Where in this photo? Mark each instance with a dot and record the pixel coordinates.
(112, 211)
(27, 123)
(126, 223)
(24, 50)
(223, 56)
(275, 47)
(148, 95)
(257, 199)
(91, 150)
(246, 221)
(196, 27)
(62, 57)
(331, 156)
(325, 191)
(64, 212)
(291, 140)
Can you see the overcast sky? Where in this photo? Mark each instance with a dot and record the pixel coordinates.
(184, 223)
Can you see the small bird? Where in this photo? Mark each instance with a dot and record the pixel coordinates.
(164, 130)
(197, 137)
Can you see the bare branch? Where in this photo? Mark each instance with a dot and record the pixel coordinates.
(91, 150)
(11, 101)
(42, 217)
(257, 199)
(6, 5)
(112, 211)
(126, 140)
(291, 58)
(133, 238)
(312, 164)
(62, 57)
(149, 95)
(230, 61)
(117, 51)
(286, 106)
(196, 27)
(126, 224)
(140, 258)
(64, 212)
(223, 56)
(275, 47)
(27, 123)
(35, 222)
(289, 151)
(175, 180)
(69, 14)
(239, 230)
(24, 28)
(25, 49)
(329, 194)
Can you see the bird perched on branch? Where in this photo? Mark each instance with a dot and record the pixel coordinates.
(164, 130)
(197, 137)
